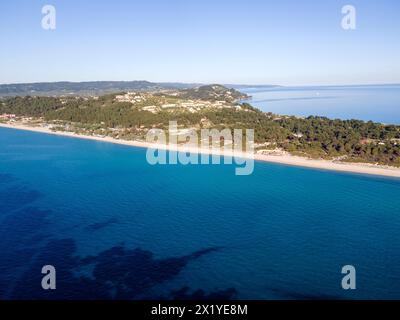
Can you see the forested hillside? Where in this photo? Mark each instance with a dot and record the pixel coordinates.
(349, 140)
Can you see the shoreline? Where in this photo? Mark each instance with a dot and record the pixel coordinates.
(360, 168)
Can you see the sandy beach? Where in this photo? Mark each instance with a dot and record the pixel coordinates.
(361, 168)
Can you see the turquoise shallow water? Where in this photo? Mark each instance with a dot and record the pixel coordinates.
(116, 227)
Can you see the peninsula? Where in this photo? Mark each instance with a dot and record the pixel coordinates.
(125, 118)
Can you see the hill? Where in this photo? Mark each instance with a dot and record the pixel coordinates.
(92, 88)
(214, 92)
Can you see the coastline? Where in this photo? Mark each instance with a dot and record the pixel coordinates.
(360, 168)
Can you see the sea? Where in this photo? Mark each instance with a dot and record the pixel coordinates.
(378, 103)
(115, 227)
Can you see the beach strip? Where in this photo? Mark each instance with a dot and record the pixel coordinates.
(361, 168)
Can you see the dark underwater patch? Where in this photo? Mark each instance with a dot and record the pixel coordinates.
(101, 225)
(6, 178)
(27, 245)
(16, 197)
(23, 232)
(118, 273)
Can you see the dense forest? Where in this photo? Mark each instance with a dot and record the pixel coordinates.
(318, 137)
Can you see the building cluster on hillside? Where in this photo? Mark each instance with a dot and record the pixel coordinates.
(168, 103)
(192, 106)
(131, 97)
(6, 116)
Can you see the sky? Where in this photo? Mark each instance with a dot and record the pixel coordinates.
(285, 42)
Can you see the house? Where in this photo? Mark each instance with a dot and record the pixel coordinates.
(171, 105)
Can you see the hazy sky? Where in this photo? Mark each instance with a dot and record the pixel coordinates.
(288, 42)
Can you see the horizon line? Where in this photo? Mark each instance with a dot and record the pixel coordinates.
(210, 83)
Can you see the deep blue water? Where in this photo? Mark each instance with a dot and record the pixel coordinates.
(379, 103)
(116, 227)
